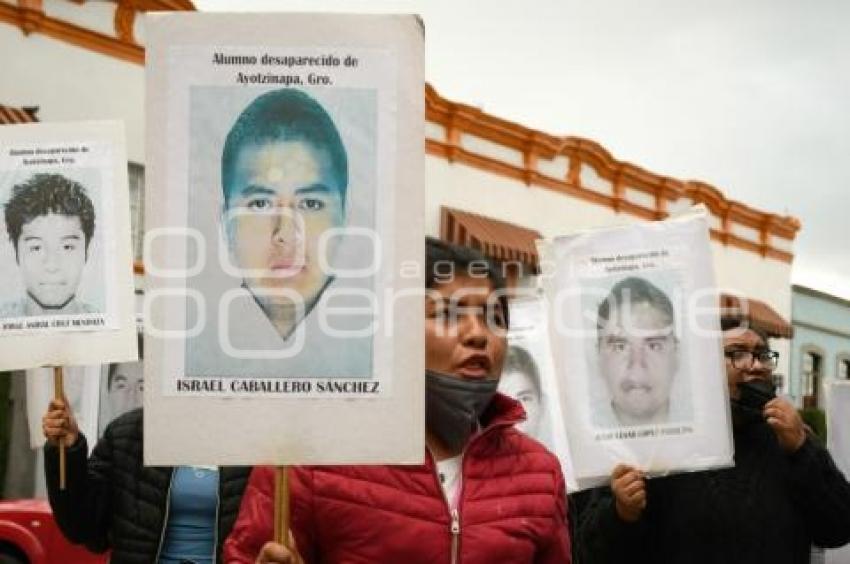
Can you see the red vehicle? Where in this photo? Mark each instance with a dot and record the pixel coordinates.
(28, 535)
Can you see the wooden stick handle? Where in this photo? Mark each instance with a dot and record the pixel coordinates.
(59, 393)
(281, 505)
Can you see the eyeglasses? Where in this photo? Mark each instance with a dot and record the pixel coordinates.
(743, 360)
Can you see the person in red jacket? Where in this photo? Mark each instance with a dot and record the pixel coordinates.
(486, 493)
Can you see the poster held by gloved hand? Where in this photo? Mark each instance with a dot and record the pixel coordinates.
(635, 331)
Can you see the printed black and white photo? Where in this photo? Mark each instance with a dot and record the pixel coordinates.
(637, 352)
(66, 273)
(633, 316)
(50, 222)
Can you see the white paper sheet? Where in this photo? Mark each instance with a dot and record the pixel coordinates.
(230, 197)
(529, 376)
(66, 288)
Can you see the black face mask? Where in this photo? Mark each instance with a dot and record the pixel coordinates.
(453, 406)
(753, 397)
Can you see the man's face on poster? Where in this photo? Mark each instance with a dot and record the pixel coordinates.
(126, 387)
(284, 196)
(638, 359)
(51, 254)
(519, 385)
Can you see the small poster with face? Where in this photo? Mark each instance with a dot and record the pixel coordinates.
(122, 386)
(638, 351)
(285, 198)
(528, 376)
(66, 288)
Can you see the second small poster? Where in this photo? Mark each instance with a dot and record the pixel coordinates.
(636, 338)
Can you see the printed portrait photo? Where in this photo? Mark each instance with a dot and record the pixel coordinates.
(122, 389)
(521, 381)
(291, 173)
(51, 263)
(635, 353)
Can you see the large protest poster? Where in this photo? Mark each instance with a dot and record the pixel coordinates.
(635, 331)
(285, 199)
(66, 287)
(838, 442)
(528, 376)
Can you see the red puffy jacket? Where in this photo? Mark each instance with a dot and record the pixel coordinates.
(512, 507)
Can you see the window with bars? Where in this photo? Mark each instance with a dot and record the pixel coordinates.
(844, 367)
(811, 378)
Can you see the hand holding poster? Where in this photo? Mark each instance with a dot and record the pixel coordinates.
(280, 145)
(66, 288)
(637, 347)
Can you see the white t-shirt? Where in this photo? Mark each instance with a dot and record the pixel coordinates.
(449, 472)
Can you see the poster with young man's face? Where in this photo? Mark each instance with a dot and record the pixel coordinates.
(296, 170)
(528, 376)
(635, 332)
(121, 389)
(64, 244)
(284, 200)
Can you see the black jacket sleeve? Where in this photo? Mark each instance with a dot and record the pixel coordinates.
(822, 494)
(82, 510)
(602, 537)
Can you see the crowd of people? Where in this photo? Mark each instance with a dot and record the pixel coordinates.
(486, 491)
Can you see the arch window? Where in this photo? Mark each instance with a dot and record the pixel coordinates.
(812, 373)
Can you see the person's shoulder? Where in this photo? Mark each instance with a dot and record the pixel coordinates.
(126, 425)
(512, 443)
(528, 444)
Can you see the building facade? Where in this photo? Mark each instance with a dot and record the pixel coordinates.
(820, 349)
(491, 183)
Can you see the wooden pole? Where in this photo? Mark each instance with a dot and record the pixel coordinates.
(59, 393)
(281, 505)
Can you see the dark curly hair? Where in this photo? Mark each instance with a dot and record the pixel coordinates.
(44, 194)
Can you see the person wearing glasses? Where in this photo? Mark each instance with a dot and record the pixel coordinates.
(637, 353)
(783, 495)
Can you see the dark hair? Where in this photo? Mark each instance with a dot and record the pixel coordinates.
(517, 359)
(44, 194)
(284, 115)
(463, 261)
(729, 322)
(634, 290)
(113, 368)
